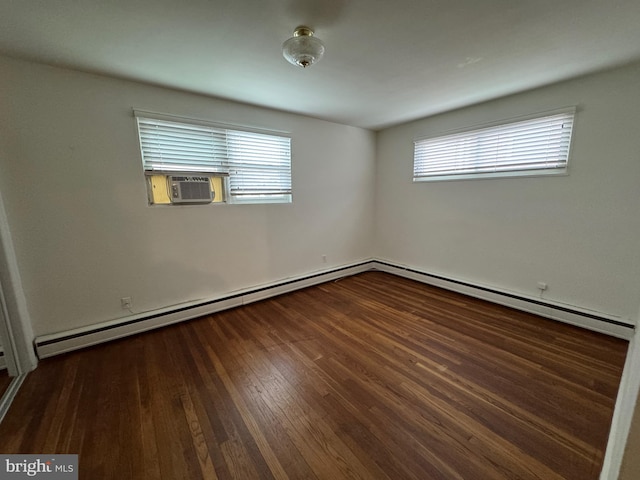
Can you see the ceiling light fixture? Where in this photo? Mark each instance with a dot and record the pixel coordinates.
(303, 49)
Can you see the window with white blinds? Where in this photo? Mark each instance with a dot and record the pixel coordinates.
(258, 165)
(536, 146)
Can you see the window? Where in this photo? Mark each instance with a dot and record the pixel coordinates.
(244, 166)
(536, 146)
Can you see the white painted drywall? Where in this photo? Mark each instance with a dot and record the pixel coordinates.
(84, 235)
(578, 233)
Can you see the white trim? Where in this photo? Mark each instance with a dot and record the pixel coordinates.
(626, 403)
(7, 359)
(69, 340)
(14, 314)
(10, 394)
(485, 176)
(548, 309)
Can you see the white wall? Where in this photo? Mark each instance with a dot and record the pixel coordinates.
(579, 233)
(84, 236)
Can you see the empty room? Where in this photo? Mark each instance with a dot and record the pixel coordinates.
(319, 240)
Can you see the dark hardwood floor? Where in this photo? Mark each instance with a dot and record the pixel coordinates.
(372, 376)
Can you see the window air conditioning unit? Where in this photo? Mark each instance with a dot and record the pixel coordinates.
(190, 189)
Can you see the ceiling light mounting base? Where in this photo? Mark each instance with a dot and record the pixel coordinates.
(303, 31)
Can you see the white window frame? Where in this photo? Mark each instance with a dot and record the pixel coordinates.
(254, 163)
(534, 145)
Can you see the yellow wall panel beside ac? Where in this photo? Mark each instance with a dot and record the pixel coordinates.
(216, 186)
(157, 187)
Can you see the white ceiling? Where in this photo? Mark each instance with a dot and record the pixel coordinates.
(386, 61)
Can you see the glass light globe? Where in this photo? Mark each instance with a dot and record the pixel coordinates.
(303, 49)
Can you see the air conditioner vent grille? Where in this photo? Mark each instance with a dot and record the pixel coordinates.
(192, 189)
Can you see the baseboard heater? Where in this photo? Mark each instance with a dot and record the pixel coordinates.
(54, 344)
(62, 342)
(596, 321)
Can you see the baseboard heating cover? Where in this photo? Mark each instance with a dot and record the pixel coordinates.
(54, 344)
(62, 342)
(596, 321)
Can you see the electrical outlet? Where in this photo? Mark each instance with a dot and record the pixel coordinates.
(126, 303)
(542, 286)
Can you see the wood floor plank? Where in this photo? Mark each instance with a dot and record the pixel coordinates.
(305, 425)
(369, 377)
(393, 405)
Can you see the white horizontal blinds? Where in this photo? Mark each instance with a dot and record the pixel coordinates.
(259, 165)
(539, 145)
(171, 146)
